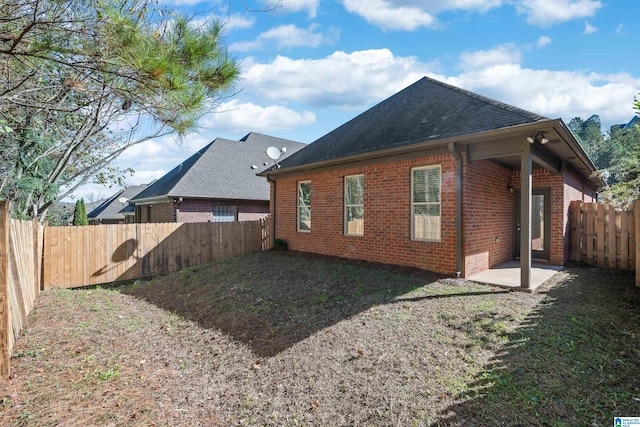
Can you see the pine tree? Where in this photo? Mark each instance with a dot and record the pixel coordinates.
(80, 214)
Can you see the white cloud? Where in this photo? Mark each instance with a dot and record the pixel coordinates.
(288, 36)
(237, 21)
(245, 46)
(147, 176)
(543, 41)
(409, 15)
(442, 5)
(347, 80)
(507, 53)
(554, 94)
(358, 79)
(545, 13)
(238, 117)
(389, 16)
(620, 29)
(91, 193)
(228, 22)
(289, 6)
(588, 28)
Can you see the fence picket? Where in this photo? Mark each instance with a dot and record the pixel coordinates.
(20, 278)
(602, 236)
(612, 251)
(81, 256)
(599, 238)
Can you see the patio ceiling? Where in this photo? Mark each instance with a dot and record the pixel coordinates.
(561, 149)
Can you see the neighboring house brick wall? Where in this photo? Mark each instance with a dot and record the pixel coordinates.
(201, 210)
(488, 216)
(253, 210)
(194, 210)
(387, 218)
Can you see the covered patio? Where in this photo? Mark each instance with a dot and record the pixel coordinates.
(547, 150)
(508, 276)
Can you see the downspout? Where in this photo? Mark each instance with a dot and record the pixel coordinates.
(459, 236)
(273, 220)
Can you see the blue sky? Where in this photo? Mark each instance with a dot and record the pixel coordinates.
(310, 65)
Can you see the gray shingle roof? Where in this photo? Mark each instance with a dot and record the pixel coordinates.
(222, 170)
(428, 110)
(110, 208)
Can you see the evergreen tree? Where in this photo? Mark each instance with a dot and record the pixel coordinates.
(589, 134)
(80, 214)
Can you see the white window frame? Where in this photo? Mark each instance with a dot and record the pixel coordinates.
(300, 205)
(414, 204)
(352, 205)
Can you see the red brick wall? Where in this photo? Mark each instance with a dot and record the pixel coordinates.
(201, 210)
(252, 210)
(194, 210)
(387, 227)
(488, 221)
(488, 216)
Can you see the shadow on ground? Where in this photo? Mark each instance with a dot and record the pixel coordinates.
(574, 361)
(271, 301)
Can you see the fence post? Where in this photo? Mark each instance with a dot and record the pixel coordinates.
(636, 229)
(5, 320)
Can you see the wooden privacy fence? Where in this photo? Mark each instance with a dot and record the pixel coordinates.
(20, 267)
(95, 254)
(602, 236)
(33, 257)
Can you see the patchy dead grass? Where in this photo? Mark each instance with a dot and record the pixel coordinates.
(280, 339)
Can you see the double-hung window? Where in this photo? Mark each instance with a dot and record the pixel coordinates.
(425, 203)
(354, 205)
(304, 206)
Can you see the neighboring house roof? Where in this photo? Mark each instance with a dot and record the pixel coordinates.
(428, 110)
(110, 208)
(128, 210)
(221, 170)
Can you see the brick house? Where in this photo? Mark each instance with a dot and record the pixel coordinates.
(435, 177)
(217, 184)
(113, 210)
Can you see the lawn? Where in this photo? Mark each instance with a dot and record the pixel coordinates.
(283, 339)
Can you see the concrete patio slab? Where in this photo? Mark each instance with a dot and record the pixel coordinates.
(508, 275)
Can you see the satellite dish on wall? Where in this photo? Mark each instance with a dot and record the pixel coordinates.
(273, 153)
(123, 200)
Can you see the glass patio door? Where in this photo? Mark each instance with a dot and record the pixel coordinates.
(540, 223)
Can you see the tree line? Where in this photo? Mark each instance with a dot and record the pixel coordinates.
(616, 155)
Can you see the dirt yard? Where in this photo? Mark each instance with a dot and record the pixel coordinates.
(282, 339)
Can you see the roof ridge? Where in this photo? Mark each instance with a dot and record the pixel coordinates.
(246, 137)
(502, 105)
